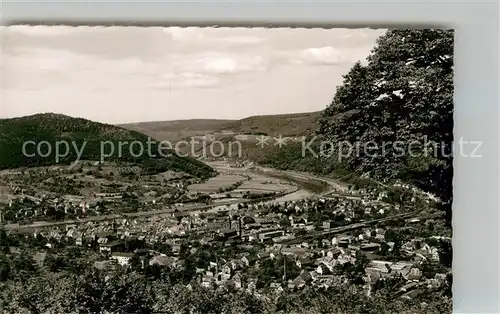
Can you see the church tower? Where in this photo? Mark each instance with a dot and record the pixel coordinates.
(2, 222)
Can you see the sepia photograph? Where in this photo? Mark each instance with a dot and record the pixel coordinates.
(226, 170)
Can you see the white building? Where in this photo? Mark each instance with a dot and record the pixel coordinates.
(123, 259)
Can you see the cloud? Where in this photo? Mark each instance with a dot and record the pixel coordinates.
(200, 35)
(45, 31)
(33, 60)
(183, 33)
(240, 39)
(57, 69)
(219, 63)
(41, 60)
(324, 55)
(117, 74)
(185, 80)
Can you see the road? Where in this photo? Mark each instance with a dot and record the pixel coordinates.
(334, 185)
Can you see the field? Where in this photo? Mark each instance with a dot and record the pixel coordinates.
(238, 182)
(217, 184)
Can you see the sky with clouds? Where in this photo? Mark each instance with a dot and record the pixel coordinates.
(132, 74)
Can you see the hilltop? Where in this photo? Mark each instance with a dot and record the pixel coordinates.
(176, 130)
(54, 128)
(294, 124)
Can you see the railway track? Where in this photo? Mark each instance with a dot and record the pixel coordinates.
(319, 234)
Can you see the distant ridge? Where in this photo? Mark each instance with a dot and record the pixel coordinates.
(293, 124)
(176, 129)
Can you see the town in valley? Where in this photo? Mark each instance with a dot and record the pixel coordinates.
(237, 216)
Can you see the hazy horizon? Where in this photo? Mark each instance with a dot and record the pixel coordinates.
(121, 75)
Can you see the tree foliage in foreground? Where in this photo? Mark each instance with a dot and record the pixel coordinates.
(403, 95)
(123, 291)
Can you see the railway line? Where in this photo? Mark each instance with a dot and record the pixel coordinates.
(421, 215)
(191, 208)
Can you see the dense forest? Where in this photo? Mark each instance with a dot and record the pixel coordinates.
(96, 141)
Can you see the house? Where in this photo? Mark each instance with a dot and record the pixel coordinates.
(298, 222)
(344, 242)
(296, 251)
(110, 247)
(371, 278)
(252, 284)
(227, 233)
(123, 259)
(278, 289)
(323, 269)
(380, 237)
(263, 255)
(236, 264)
(236, 281)
(401, 268)
(79, 241)
(345, 258)
(249, 260)
(304, 262)
(212, 266)
(102, 265)
(209, 274)
(300, 281)
(328, 224)
(326, 281)
(274, 285)
(207, 240)
(39, 258)
(414, 274)
(105, 237)
(226, 269)
(207, 281)
(176, 248)
(325, 242)
(378, 268)
(223, 277)
(161, 261)
(270, 235)
(90, 240)
(334, 253)
(370, 247)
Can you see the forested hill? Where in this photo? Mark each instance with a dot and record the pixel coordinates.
(403, 95)
(54, 128)
(294, 124)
